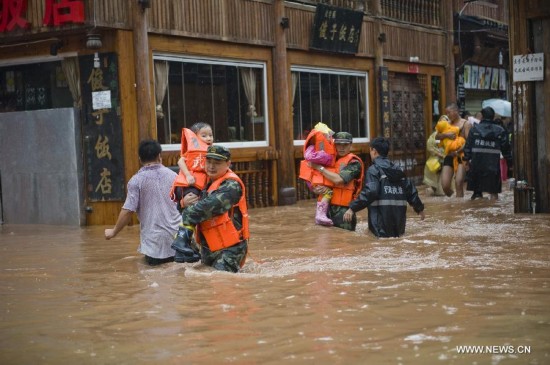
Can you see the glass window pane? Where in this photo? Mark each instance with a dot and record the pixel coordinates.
(228, 97)
(337, 100)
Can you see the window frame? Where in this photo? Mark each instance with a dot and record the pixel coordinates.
(224, 62)
(339, 72)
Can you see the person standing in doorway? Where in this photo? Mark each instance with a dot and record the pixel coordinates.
(347, 180)
(148, 196)
(386, 193)
(454, 158)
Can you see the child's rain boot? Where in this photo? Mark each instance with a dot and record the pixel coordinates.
(321, 214)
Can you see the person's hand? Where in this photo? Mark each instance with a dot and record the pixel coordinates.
(314, 166)
(109, 233)
(422, 215)
(190, 179)
(348, 215)
(320, 189)
(190, 199)
(451, 136)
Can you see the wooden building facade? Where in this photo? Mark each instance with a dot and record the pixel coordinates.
(529, 35)
(146, 68)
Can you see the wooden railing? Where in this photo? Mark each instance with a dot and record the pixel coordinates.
(425, 12)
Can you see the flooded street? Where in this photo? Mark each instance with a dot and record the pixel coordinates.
(471, 274)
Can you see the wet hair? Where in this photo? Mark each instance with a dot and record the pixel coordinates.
(149, 150)
(198, 126)
(381, 145)
(488, 113)
(452, 106)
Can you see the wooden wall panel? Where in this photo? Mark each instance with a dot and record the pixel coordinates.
(231, 20)
(406, 41)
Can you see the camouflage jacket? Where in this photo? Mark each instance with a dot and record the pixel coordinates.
(215, 203)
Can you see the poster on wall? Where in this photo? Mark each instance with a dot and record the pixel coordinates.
(488, 73)
(102, 128)
(481, 77)
(528, 67)
(467, 75)
(494, 79)
(475, 77)
(502, 80)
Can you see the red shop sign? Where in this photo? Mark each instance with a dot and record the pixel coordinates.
(56, 13)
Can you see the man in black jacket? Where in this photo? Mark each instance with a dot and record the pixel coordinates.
(386, 193)
(484, 145)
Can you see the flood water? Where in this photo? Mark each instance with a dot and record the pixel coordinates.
(471, 274)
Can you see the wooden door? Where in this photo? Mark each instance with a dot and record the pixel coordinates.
(407, 133)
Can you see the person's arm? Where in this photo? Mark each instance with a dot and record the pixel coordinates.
(368, 194)
(330, 175)
(123, 220)
(215, 203)
(185, 171)
(412, 197)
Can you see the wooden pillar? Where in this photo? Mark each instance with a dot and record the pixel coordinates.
(141, 64)
(448, 17)
(378, 62)
(286, 174)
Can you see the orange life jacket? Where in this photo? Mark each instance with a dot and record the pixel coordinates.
(322, 143)
(219, 231)
(343, 194)
(193, 149)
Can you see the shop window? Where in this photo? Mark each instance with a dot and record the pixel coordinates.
(230, 96)
(336, 98)
(33, 86)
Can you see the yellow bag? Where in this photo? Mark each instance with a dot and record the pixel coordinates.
(433, 163)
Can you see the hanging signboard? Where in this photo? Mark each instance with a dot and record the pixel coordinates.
(528, 67)
(336, 29)
(385, 101)
(102, 128)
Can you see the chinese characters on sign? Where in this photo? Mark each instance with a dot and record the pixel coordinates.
(385, 101)
(102, 128)
(336, 29)
(56, 12)
(528, 67)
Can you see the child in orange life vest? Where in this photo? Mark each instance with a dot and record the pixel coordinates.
(450, 145)
(319, 149)
(192, 176)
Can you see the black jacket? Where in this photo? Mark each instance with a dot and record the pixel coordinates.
(486, 141)
(386, 193)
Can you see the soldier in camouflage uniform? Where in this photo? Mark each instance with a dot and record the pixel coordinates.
(347, 180)
(220, 217)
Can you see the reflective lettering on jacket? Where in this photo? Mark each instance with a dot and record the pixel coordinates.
(193, 149)
(219, 231)
(344, 194)
(322, 143)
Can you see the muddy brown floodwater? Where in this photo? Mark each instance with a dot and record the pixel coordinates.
(472, 277)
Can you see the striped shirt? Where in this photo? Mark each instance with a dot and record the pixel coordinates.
(149, 196)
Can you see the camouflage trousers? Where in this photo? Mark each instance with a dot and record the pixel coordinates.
(228, 259)
(336, 214)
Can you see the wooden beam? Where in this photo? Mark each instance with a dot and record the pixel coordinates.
(141, 64)
(286, 175)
